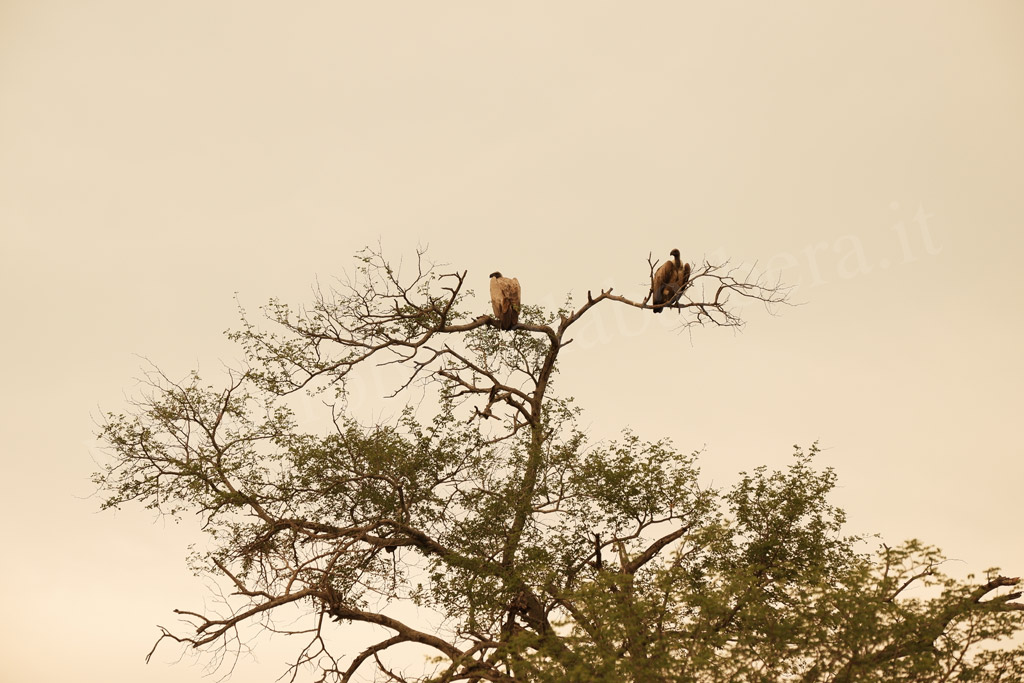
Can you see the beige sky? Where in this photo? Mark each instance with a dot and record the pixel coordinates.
(155, 158)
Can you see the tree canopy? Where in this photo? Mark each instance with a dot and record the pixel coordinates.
(530, 552)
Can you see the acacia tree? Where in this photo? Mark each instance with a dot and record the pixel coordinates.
(532, 554)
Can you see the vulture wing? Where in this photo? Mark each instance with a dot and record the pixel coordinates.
(680, 281)
(661, 285)
(505, 294)
(510, 314)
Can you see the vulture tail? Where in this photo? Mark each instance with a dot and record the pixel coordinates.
(509, 317)
(657, 300)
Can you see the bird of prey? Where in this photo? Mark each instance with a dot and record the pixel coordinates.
(505, 300)
(669, 281)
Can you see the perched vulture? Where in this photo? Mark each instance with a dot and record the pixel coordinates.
(669, 281)
(505, 300)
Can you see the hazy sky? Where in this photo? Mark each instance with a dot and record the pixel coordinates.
(156, 158)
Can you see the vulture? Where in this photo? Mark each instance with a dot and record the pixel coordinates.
(505, 300)
(669, 281)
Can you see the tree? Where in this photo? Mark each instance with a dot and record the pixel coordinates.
(532, 554)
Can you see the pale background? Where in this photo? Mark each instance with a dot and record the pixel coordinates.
(155, 158)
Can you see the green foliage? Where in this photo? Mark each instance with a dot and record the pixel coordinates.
(532, 553)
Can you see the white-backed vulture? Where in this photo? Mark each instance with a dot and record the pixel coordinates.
(669, 282)
(505, 300)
